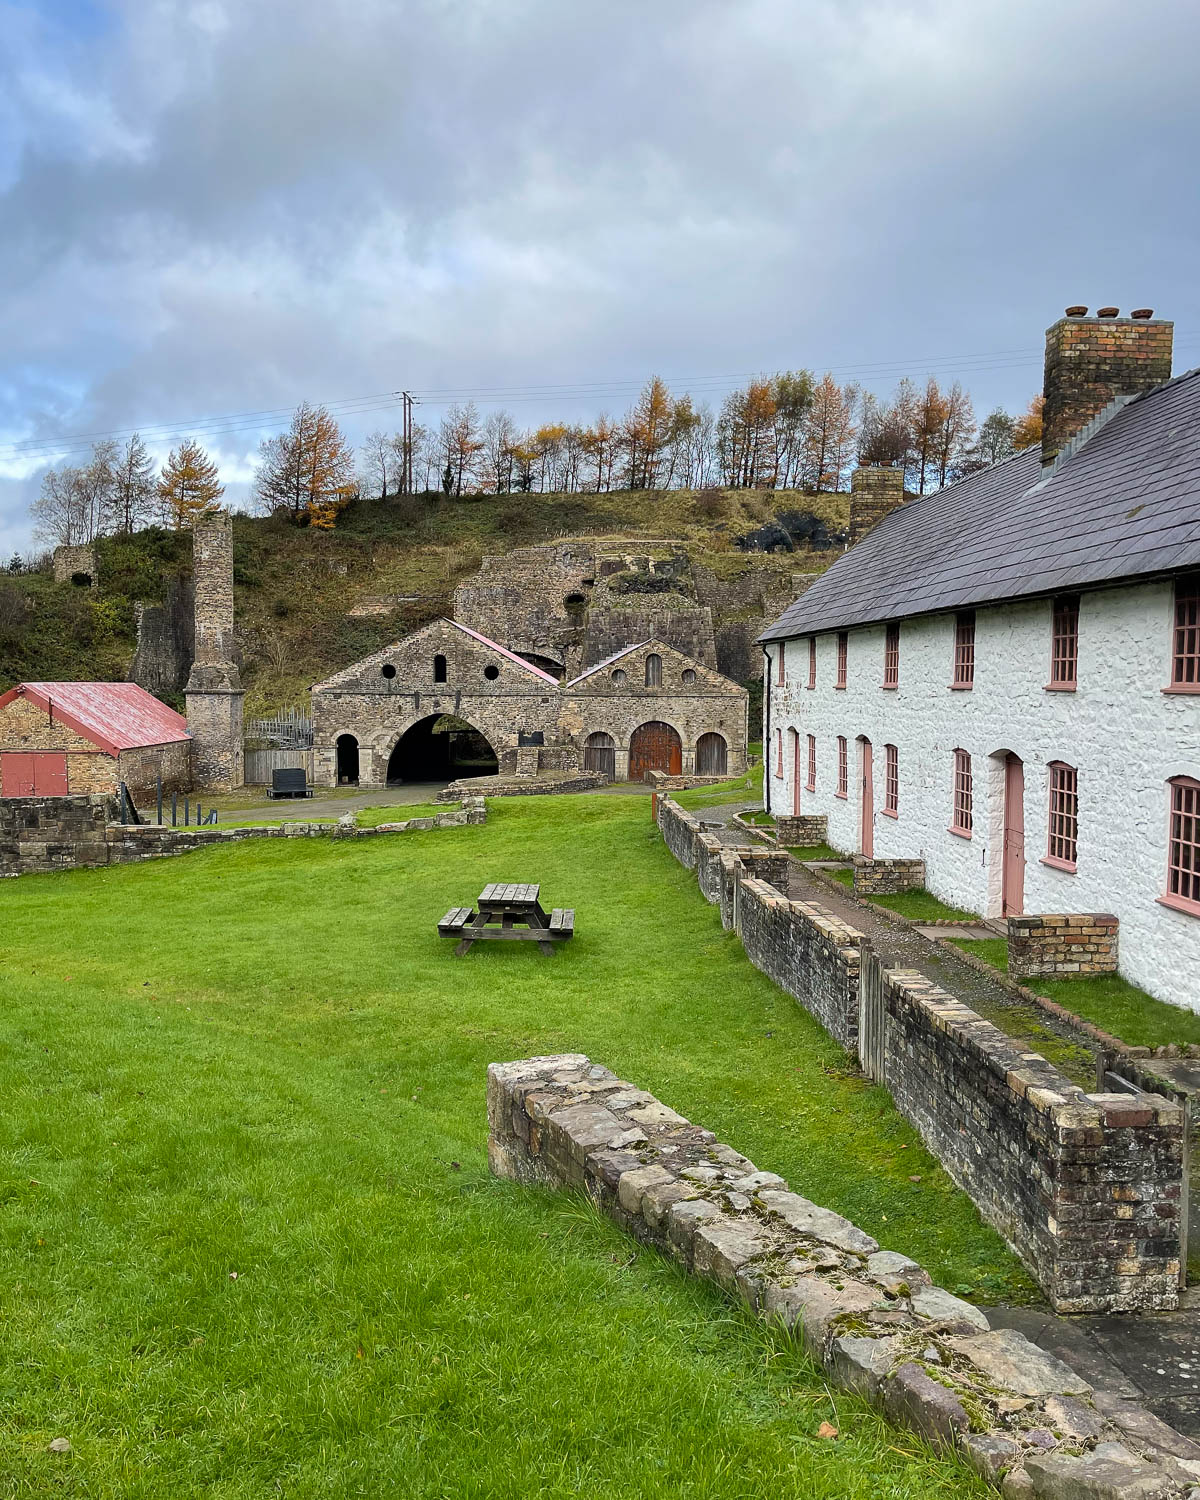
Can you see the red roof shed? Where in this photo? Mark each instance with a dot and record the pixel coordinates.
(115, 716)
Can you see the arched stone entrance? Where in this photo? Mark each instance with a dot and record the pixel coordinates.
(654, 746)
(440, 748)
(347, 760)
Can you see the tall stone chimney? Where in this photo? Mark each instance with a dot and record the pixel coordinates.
(875, 491)
(214, 689)
(1092, 361)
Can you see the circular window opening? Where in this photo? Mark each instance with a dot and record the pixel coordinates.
(491, 673)
(689, 676)
(388, 670)
(619, 675)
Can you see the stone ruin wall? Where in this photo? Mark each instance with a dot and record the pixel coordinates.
(68, 561)
(1086, 1188)
(214, 688)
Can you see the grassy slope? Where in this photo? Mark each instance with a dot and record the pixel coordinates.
(262, 1060)
(294, 587)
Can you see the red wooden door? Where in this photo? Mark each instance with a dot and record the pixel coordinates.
(1013, 879)
(654, 747)
(33, 774)
(866, 840)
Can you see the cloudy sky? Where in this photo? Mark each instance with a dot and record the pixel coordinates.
(226, 206)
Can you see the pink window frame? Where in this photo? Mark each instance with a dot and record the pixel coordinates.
(812, 661)
(962, 802)
(891, 782)
(843, 658)
(964, 651)
(891, 656)
(1183, 817)
(779, 752)
(811, 784)
(1185, 636)
(1064, 644)
(1062, 817)
(843, 768)
(781, 669)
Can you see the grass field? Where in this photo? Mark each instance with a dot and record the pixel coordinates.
(250, 1244)
(917, 906)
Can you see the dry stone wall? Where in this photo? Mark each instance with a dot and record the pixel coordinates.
(871, 1317)
(886, 877)
(1086, 1188)
(1080, 943)
(801, 830)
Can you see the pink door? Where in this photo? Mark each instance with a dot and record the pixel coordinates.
(866, 842)
(795, 772)
(1013, 880)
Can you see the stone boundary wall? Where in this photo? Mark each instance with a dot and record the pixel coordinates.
(1089, 1200)
(1084, 1187)
(872, 1318)
(887, 877)
(41, 834)
(1077, 943)
(541, 785)
(802, 830)
(714, 871)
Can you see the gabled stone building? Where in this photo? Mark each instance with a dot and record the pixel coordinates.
(449, 700)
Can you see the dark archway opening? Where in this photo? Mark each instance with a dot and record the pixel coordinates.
(81, 580)
(347, 760)
(441, 748)
(545, 663)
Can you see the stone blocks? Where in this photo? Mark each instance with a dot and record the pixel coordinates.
(1021, 1417)
(801, 830)
(1080, 943)
(887, 877)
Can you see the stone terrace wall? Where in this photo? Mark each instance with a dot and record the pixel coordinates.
(1080, 943)
(807, 952)
(871, 1317)
(713, 870)
(1084, 1187)
(885, 877)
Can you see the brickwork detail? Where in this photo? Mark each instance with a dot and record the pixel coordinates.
(886, 877)
(871, 1317)
(875, 491)
(1090, 362)
(801, 830)
(1080, 943)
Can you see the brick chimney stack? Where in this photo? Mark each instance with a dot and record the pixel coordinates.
(875, 491)
(1092, 361)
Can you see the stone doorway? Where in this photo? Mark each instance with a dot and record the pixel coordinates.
(440, 748)
(347, 760)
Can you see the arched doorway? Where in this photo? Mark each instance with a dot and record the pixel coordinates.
(712, 755)
(600, 753)
(654, 747)
(1012, 877)
(440, 748)
(347, 760)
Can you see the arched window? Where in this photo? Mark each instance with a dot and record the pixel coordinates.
(439, 668)
(654, 670)
(712, 755)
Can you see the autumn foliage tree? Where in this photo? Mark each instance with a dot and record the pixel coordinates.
(307, 472)
(188, 487)
(1028, 430)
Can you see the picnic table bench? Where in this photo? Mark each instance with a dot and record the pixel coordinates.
(509, 913)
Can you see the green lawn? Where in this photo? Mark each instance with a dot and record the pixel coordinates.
(250, 1244)
(815, 851)
(917, 906)
(1107, 1001)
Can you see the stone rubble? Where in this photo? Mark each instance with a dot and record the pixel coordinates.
(1024, 1420)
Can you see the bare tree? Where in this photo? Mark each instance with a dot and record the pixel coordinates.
(131, 500)
(383, 463)
(459, 445)
(58, 512)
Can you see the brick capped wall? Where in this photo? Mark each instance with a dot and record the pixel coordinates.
(802, 831)
(885, 877)
(1078, 943)
(1085, 1188)
(807, 952)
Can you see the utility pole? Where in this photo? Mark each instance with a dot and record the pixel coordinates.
(408, 441)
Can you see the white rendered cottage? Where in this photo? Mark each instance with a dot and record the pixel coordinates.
(1002, 677)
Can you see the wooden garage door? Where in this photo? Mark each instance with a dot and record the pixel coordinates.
(654, 747)
(33, 774)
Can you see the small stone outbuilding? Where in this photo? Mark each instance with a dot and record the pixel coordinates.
(69, 738)
(449, 701)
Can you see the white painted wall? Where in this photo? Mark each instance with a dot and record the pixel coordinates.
(1124, 735)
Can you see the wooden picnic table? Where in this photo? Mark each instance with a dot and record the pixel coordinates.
(511, 913)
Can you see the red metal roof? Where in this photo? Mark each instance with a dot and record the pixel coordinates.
(115, 716)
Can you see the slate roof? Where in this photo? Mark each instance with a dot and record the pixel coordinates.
(115, 716)
(1125, 504)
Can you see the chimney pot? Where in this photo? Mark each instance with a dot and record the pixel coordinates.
(1142, 312)
(1088, 367)
(1108, 312)
(1076, 312)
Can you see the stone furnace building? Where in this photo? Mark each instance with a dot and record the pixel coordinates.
(1002, 679)
(448, 700)
(67, 738)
